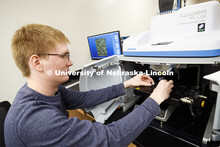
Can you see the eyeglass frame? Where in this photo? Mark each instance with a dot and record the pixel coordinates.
(61, 55)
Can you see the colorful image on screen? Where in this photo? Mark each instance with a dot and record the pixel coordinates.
(101, 47)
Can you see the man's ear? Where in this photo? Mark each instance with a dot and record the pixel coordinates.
(36, 63)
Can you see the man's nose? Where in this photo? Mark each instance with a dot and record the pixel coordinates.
(70, 63)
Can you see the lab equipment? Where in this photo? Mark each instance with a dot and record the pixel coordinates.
(192, 31)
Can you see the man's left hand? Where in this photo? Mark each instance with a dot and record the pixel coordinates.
(139, 80)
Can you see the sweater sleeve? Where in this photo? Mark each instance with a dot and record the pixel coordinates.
(74, 99)
(48, 127)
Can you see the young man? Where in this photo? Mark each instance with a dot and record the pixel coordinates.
(38, 115)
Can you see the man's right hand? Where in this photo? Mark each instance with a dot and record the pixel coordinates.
(162, 91)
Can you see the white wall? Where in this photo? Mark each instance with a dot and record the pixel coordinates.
(77, 19)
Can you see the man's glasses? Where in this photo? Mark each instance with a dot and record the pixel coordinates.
(67, 56)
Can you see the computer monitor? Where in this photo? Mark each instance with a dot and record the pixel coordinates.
(104, 45)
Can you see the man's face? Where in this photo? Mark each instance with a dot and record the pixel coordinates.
(56, 66)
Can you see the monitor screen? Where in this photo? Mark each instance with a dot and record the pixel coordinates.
(105, 45)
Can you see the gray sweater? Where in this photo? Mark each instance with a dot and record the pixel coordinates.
(38, 120)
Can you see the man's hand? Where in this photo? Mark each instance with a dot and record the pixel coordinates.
(162, 91)
(139, 80)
